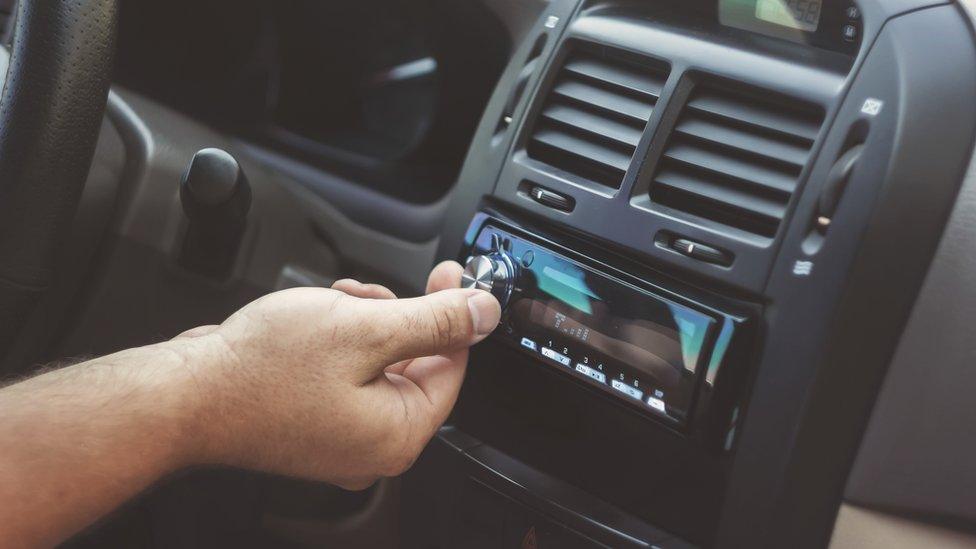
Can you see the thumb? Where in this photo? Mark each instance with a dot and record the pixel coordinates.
(425, 326)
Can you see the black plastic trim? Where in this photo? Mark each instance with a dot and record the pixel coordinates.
(554, 498)
(834, 329)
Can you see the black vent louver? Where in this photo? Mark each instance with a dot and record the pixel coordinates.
(735, 157)
(595, 114)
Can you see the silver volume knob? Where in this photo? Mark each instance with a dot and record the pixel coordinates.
(479, 273)
(493, 273)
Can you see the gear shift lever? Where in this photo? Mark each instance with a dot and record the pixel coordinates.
(216, 199)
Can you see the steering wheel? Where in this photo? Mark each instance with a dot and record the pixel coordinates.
(50, 113)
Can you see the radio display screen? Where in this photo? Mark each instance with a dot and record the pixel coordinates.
(640, 346)
(660, 343)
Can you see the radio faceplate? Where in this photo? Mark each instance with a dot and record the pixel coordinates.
(652, 349)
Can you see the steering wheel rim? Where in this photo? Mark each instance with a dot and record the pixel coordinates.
(51, 111)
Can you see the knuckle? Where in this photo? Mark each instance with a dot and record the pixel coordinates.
(448, 325)
(400, 449)
(441, 327)
(398, 465)
(396, 460)
(357, 485)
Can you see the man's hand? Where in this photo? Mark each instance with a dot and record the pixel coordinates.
(344, 385)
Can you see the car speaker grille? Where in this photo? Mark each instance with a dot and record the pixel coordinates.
(735, 157)
(595, 115)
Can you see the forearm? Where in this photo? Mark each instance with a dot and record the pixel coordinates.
(345, 385)
(78, 442)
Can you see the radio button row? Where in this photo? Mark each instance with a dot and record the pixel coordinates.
(632, 392)
(553, 355)
(591, 373)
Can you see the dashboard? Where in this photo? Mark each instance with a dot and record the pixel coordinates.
(705, 222)
(732, 239)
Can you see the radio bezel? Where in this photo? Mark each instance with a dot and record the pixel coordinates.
(719, 385)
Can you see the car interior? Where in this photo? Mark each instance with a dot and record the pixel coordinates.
(733, 241)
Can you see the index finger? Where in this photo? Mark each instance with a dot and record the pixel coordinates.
(445, 276)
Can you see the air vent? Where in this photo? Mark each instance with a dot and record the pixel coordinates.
(735, 157)
(595, 115)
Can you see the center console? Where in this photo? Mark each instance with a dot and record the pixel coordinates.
(706, 222)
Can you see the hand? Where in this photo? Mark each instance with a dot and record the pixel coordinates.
(344, 385)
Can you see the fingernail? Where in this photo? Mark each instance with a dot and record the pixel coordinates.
(485, 312)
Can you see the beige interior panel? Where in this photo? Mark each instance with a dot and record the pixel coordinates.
(859, 528)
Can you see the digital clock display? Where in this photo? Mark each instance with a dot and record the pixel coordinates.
(832, 25)
(802, 15)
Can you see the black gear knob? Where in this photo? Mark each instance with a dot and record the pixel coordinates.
(216, 199)
(214, 186)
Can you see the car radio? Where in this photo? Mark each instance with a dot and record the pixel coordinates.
(648, 347)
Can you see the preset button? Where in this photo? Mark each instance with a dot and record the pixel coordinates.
(591, 373)
(553, 355)
(632, 392)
